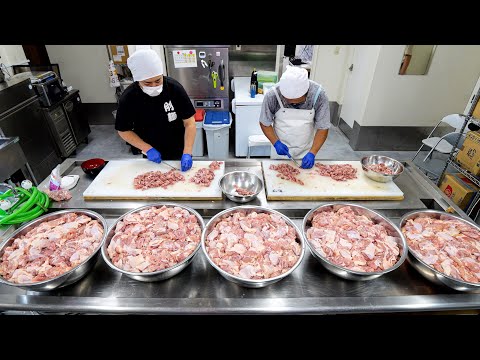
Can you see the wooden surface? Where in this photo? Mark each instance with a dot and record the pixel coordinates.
(319, 187)
(115, 182)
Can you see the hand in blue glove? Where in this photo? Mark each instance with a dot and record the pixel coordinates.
(186, 162)
(281, 148)
(154, 155)
(308, 161)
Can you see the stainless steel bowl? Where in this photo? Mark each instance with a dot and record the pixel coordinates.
(243, 179)
(377, 218)
(428, 271)
(155, 275)
(379, 159)
(70, 276)
(251, 283)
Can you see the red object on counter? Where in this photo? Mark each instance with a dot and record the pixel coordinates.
(199, 114)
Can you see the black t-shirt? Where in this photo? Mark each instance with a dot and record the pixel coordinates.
(158, 120)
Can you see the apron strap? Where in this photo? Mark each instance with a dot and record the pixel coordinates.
(278, 97)
(316, 96)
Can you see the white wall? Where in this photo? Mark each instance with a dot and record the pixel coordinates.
(85, 67)
(11, 55)
(359, 83)
(421, 100)
(330, 62)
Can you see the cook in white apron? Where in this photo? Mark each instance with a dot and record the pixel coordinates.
(295, 128)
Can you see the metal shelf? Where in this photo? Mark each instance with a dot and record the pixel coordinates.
(467, 173)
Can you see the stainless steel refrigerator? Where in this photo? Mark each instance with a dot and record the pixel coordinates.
(203, 72)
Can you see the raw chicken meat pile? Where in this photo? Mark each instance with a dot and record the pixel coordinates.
(337, 172)
(381, 168)
(450, 246)
(153, 179)
(242, 191)
(253, 246)
(154, 239)
(353, 241)
(51, 249)
(287, 172)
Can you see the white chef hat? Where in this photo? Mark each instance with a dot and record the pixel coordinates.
(145, 64)
(294, 82)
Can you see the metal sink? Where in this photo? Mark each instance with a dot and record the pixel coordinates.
(5, 141)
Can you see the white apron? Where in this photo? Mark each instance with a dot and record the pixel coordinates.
(295, 128)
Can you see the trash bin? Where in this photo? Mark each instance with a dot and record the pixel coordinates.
(198, 149)
(217, 128)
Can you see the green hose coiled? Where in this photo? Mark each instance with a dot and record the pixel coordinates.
(30, 205)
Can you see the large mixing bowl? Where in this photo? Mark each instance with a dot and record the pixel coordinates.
(379, 159)
(155, 275)
(428, 271)
(252, 283)
(242, 179)
(377, 218)
(70, 276)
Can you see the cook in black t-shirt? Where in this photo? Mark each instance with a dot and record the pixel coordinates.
(156, 115)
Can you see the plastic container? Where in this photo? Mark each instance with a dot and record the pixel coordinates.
(217, 128)
(198, 148)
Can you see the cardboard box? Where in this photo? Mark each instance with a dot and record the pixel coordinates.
(469, 155)
(459, 188)
(476, 111)
(119, 53)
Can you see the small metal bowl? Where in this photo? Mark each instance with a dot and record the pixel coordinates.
(251, 283)
(379, 159)
(68, 277)
(155, 275)
(243, 179)
(428, 271)
(377, 218)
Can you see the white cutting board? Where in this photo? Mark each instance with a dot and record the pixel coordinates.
(115, 182)
(325, 188)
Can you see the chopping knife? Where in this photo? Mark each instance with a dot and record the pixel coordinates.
(163, 162)
(295, 161)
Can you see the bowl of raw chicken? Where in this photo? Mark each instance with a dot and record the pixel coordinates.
(153, 242)
(381, 168)
(354, 242)
(444, 248)
(52, 251)
(240, 186)
(253, 246)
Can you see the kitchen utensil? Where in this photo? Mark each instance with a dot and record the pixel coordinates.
(214, 79)
(379, 159)
(93, 167)
(239, 280)
(243, 179)
(155, 275)
(377, 218)
(295, 161)
(70, 276)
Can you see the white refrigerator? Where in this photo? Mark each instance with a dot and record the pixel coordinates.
(247, 114)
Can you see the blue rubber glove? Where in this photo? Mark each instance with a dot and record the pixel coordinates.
(186, 162)
(154, 155)
(308, 161)
(281, 148)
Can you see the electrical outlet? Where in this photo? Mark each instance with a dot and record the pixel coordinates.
(238, 47)
(337, 50)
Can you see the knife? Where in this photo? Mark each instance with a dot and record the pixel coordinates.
(163, 162)
(290, 157)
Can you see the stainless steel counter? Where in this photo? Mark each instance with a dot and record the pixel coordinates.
(199, 289)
